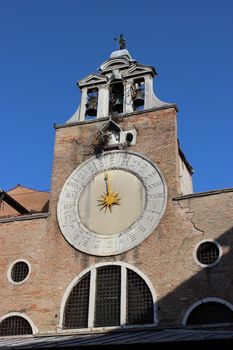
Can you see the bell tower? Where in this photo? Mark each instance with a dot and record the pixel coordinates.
(121, 86)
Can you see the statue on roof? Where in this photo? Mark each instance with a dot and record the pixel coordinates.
(121, 42)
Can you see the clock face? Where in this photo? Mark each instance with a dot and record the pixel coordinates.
(110, 204)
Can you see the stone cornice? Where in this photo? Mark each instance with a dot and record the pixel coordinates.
(96, 120)
(24, 217)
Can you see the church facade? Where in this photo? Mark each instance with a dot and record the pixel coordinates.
(121, 243)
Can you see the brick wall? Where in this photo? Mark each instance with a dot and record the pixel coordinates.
(165, 257)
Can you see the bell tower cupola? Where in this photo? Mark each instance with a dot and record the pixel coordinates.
(121, 86)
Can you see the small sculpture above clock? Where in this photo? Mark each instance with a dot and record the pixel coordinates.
(111, 136)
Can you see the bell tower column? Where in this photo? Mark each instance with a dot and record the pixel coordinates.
(103, 102)
(83, 104)
(148, 91)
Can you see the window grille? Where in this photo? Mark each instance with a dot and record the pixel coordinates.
(207, 253)
(108, 294)
(76, 310)
(15, 325)
(112, 287)
(210, 313)
(139, 300)
(19, 271)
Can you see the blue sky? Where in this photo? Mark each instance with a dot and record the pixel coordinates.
(47, 45)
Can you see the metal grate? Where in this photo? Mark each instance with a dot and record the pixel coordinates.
(210, 313)
(207, 253)
(15, 325)
(19, 271)
(108, 294)
(76, 310)
(139, 300)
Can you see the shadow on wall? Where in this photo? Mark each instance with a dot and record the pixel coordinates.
(206, 298)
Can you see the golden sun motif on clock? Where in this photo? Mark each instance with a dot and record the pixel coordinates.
(110, 198)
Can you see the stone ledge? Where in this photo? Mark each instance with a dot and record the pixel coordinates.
(96, 120)
(24, 217)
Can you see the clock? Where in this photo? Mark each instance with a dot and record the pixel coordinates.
(111, 203)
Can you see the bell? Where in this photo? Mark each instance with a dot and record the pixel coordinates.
(118, 104)
(139, 98)
(91, 106)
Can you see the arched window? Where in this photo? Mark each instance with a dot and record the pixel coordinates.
(109, 295)
(210, 312)
(14, 325)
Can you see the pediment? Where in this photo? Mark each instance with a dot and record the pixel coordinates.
(92, 79)
(139, 69)
(110, 126)
(116, 63)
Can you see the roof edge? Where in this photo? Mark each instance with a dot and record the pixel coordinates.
(202, 194)
(4, 196)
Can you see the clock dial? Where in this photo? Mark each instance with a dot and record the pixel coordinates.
(111, 201)
(110, 204)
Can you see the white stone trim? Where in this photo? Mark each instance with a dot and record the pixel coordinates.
(202, 301)
(123, 296)
(20, 314)
(92, 79)
(92, 270)
(114, 63)
(91, 314)
(195, 253)
(11, 267)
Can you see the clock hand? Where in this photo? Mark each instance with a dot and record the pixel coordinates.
(109, 198)
(107, 183)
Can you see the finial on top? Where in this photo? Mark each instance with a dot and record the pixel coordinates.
(121, 41)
